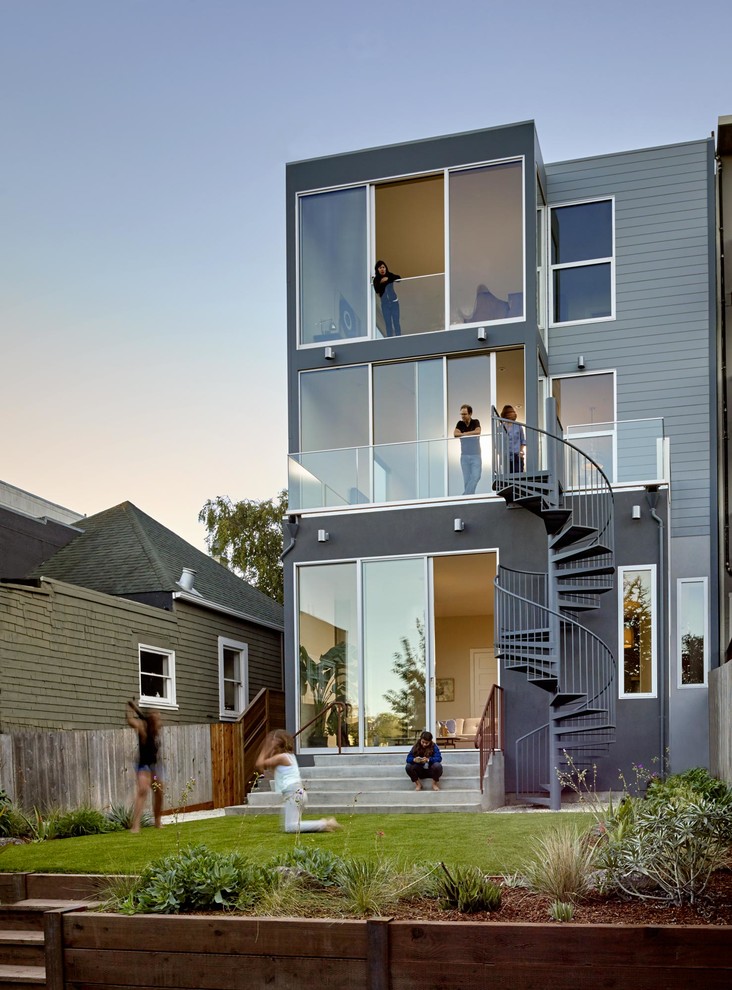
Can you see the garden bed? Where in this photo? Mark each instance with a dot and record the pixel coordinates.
(222, 952)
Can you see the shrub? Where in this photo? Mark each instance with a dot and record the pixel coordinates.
(372, 887)
(13, 824)
(561, 911)
(668, 850)
(194, 879)
(563, 865)
(317, 864)
(81, 821)
(121, 815)
(468, 890)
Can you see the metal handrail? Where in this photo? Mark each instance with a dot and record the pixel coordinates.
(341, 707)
(490, 741)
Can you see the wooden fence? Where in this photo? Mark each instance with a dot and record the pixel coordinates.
(69, 768)
(720, 724)
(202, 765)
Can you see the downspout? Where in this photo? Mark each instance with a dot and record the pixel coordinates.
(290, 526)
(723, 369)
(652, 498)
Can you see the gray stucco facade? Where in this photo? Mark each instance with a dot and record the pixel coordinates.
(656, 354)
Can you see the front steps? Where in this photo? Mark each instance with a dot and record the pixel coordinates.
(377, 784)
(22, 947)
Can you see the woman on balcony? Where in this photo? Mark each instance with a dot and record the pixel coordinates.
(383, 282)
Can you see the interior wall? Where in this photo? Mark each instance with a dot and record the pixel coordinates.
(455, 637)
(410, 226)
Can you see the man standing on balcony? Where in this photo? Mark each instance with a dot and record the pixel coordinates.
(468, 429)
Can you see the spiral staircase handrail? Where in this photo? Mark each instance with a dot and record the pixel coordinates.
(556, 439)
(568, 621)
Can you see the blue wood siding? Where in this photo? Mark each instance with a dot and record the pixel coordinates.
(660, 342)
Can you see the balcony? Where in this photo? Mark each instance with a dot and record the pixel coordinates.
(630, 451)
(421, 305)
(390, 472)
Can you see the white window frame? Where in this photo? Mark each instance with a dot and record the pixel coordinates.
(243, 689)
(679, 632)
(370, 186)
(551, 267)
(653, 693)
(169, 701)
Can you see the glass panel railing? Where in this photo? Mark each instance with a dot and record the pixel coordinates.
(390, 472)
(627, 450)
(421, 305)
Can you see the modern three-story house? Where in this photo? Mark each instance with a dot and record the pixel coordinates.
(577, 577)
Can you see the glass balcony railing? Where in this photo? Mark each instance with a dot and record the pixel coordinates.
(421, 305)
(390, 472)
(631, 450)
(627, 451)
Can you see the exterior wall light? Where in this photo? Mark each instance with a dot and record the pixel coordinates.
(482, 333)
(330, 354)
(581, 362)
(636, 512)
(458, 525)
(323, 536)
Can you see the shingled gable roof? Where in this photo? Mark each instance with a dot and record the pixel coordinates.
(122, 551)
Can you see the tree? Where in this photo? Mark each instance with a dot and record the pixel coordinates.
(246, 537)
(408, 703)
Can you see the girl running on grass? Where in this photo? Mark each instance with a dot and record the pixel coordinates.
(277, 753)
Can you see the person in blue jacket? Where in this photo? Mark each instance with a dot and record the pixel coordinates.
(424, 762)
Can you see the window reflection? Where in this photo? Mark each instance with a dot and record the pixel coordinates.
(394, 595)
(692, 631)
(638, 646)
(333, 266)
(486, 244)
(328, 652)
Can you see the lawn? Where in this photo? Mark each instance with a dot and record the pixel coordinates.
(495, 843)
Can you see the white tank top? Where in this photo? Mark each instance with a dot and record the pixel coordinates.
(287, 778)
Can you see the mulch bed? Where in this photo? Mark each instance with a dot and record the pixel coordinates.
(518, 905)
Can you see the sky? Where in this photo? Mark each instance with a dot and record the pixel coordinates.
(143, 146)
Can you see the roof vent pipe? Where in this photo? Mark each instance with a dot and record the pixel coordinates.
(185, 581)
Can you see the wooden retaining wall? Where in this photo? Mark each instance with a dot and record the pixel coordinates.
(88, 951)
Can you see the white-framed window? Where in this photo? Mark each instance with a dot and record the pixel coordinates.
(692, 632)
(637, 631)
(454, 236)
(157, 676)
(233, 677)
(582, 283)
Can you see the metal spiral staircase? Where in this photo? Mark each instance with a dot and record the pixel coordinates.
(536, 625)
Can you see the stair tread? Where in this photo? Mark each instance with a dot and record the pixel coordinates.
(18, 973)
(21, 937)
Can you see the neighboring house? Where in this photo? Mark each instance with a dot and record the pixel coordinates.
(583, 294)
(128, 608)
(31, 529)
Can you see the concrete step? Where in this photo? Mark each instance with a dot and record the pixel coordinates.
(450, 757)
(349, 799)
(387, 782)
(376, 803)
(381, 771)
(28, 977)
(22, 948)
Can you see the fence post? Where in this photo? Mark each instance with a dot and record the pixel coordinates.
(377, 953)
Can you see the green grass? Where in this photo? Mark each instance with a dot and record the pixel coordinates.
(494, 843)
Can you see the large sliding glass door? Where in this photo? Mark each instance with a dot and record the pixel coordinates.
(405, 641)
(394, 651)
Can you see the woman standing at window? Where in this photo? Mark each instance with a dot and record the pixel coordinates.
(383, 282)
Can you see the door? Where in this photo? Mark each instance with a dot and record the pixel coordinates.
(484, 674)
